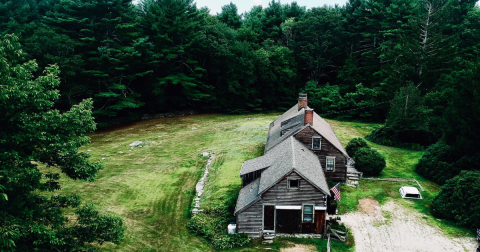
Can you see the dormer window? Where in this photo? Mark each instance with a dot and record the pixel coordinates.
(316, 142)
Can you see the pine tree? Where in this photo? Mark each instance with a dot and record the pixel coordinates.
(175, 27)
(109, 41)
(229, 16)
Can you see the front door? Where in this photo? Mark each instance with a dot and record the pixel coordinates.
(268, 217)
(289, 221)
(319, 221)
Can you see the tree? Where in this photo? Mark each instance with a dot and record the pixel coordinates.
(230, 17)
(176, 30)
(407, 121)
(36, 143)
(108, 39)
(458, 200)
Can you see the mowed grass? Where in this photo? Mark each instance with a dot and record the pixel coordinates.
(152, 188)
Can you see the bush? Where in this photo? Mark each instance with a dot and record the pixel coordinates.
(459, 200)
(436, 164)
(212, 223)
(369, 161)
(354, 145)
(415, 139)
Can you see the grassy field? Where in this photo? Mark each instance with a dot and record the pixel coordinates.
(152, 187)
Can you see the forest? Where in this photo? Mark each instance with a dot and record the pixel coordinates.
(411, 64)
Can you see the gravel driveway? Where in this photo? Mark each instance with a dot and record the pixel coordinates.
(398, 229)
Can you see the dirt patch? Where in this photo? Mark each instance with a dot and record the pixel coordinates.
(368, 206)
(299, 248)
(402, 230)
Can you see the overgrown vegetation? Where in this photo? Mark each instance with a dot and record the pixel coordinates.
(212, 223)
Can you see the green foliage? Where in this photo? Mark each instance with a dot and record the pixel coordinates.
(407, 122)
(458, 200)
(212, 223)
(230, 17)
(354, 145)
(369, 161)
(34, 133)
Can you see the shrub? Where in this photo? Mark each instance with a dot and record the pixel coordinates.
(459, 200)
(369, 161)
(212, 223)
(354, 145)
(436, 164)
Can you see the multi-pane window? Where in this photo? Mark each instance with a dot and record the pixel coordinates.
(316, 142)
(308, 213)
(330, 163)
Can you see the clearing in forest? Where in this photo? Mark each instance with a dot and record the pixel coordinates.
(152, 187)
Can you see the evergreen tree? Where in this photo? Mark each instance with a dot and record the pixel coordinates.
(176, 29)
(108, 41)
(229, 16)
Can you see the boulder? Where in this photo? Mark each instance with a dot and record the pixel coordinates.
(136, 143)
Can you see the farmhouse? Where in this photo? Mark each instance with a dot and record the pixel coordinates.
(286, 190)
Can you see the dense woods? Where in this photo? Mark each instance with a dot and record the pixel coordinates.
(413, 63)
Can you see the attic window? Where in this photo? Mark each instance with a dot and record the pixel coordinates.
(308, 213)
(316, 142)
(293, 184)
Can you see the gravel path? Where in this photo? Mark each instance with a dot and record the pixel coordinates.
(393, 227)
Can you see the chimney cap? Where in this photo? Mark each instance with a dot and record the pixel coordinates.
(302, 95)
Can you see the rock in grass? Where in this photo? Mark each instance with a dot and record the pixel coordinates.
(121, 152)
(194, 128)
(89, 150)
(205, 154)
(159, 137)
(103, 158)
(136, 143)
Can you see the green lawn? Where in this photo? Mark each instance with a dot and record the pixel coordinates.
(152, 187)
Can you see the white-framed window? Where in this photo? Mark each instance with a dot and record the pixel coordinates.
(330, 164)
(308, 213)
(293, 183)
(316, 142)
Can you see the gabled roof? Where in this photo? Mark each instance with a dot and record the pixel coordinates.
(294, 157)
(288, 156)
(297, 124)
(324, 129)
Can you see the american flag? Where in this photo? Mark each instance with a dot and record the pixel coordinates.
(336, 192)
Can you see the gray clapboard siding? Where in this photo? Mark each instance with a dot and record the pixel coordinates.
(250, 220)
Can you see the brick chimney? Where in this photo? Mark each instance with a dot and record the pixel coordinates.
(302, 101)
(308, 116)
